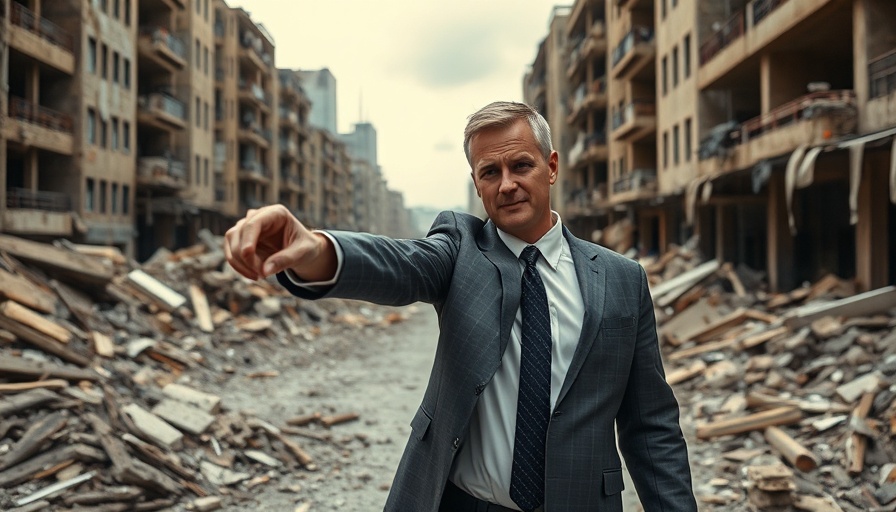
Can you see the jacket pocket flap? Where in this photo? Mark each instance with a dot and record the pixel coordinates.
(619, 322)
(420, 423)
(613, 483)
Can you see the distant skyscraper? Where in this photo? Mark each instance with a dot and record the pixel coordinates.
(320, 85)
(361, 143)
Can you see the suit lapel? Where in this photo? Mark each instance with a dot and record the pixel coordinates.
(508, 267)
(592, 279)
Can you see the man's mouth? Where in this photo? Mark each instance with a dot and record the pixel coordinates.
(513, 203)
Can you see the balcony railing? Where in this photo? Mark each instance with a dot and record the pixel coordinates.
(632, 110)
(882, 74)
(47, 118)
(20, 16)
(586, 142)
(804, 107)
(732, 30)
(159, 35)
(38, 200)
(164, 102)
(219, 29)
(256, 168)
(635, 180)
(762, 8)
(163, 170)
(638, 34)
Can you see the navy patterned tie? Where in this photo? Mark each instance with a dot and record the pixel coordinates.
(534, 405)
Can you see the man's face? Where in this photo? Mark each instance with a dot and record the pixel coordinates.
(514, 180)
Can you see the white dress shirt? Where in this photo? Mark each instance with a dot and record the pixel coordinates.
(483, 464)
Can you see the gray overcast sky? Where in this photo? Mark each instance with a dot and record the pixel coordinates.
(421, 67)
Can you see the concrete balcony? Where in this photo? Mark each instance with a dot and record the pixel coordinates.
(635, 121)
(41, 39)
(254, 94)
(253, 134)
(289, 148)
(593, 45)
(634, 56)
(291, 182)
(289, 118)
(633, 4)
(37, 212)
(255, 57)
(586, 99)
(255, 172)
(40, 127)
(810, 120)
(749, 31)
(291, 88)
(165, 50)
(880, 112)
(162, 111)
(588, 149)
(588, 202)
(161, 173)
(636, 185)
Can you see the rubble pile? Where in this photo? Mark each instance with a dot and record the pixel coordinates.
(789, 395)
(102, 366)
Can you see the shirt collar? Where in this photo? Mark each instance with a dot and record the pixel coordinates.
(550, 245)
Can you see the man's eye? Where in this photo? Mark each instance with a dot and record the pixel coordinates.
(487, 172)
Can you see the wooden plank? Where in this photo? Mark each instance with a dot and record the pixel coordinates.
(68, 263)
(15, 311)
(336, 419)
(683, 282)
(154, 428)
(102, 345)
(795, 453)
(52, 489)
(158, 290)
(720, 326)
(183, 416)
(43, 342)
(40, 369)
(863, 304)
(111, 253)
(127, 469)
(21, 290)
(689, 322)
(158, 458)
(757, 421)
(855, 453)
(24, 471)
(762, 337)
(33, 439)
(17, 387)
(207, 402)
(106, 495)
(689, 372)
(26, 400)
(727, 271)
(200, 306)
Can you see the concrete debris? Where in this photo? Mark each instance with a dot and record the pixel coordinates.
(102, 368)
(772, 383)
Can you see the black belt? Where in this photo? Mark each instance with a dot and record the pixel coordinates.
(456, 499)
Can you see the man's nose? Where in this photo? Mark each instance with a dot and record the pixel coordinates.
(508, 183)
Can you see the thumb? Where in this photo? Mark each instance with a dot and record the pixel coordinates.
(282, 260)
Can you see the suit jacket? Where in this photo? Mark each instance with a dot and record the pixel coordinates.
(616, 376)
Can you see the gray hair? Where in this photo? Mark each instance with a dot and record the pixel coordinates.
(505, 113)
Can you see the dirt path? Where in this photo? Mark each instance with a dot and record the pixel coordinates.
(380, 373)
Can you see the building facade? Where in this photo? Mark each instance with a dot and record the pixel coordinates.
(765, 127)
(138, 123)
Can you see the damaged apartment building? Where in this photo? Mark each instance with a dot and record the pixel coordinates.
(137, 123)
(765, 127)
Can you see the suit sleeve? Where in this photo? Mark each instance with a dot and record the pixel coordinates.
(391, 271)
(650, 437)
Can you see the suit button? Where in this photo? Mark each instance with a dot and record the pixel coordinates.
(557, 414)
(456, 443)
(479, 389)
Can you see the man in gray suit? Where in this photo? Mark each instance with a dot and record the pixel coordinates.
(546, 343)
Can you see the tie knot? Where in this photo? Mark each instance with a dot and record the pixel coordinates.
(530, 255)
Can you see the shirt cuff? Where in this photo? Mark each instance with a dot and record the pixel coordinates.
(296, 280)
